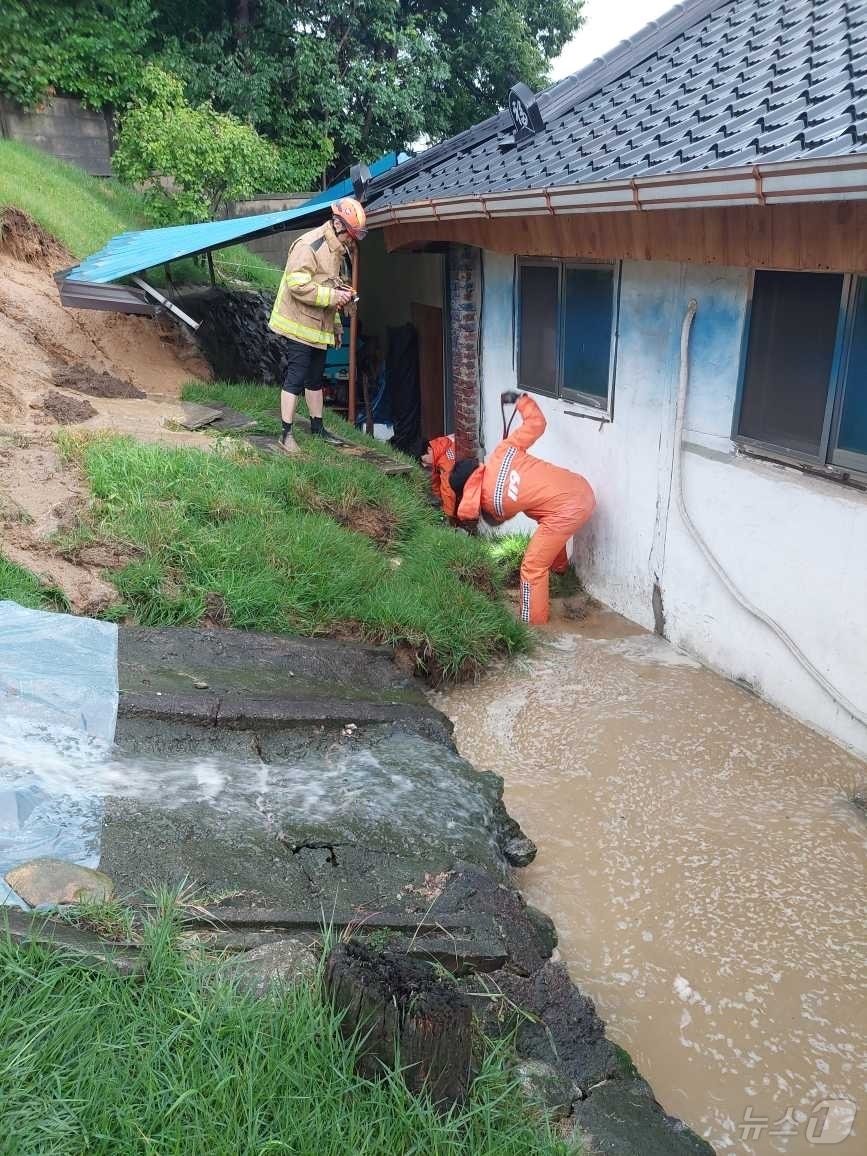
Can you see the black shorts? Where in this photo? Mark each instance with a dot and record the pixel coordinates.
(304, 367)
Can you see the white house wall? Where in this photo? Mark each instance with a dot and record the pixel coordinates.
(795, 545)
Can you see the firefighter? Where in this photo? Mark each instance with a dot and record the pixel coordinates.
(307, 310)
(514, 482)
(439, 458)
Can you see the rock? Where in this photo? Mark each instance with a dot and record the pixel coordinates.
(578, 606)
(622, 1118)
(545, 1088)
(197, 416)
(275, 965)
(234, 334)
(516, 847)
(544, 927)
(520, 851)
(86, 947)
(527, 934)
(48, 880)
(553, 1022)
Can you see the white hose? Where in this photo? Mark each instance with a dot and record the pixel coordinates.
(840, 699)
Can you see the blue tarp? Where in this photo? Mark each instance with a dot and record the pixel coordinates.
(131, 253)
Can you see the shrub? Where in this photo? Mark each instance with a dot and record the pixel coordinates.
(190, 160)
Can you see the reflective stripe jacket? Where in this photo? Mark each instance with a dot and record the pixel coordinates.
(512, 481)
(304, 307)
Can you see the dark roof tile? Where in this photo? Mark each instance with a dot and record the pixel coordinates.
(713, 84)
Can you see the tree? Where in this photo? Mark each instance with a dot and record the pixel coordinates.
(371, 75)
(489, 46)
(190, 160)
(86, 48)
(345, 79)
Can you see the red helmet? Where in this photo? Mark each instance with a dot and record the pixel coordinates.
(353, 216)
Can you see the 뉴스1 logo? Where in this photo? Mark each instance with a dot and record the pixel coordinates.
(830, 1122)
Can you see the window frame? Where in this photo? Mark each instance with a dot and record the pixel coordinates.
(828, 459)
(590, 405)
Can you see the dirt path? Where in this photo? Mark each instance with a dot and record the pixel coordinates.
(92, 370)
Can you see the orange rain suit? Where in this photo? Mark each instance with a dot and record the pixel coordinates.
(514, 482)
(442, 451)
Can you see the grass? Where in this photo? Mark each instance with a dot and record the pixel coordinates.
(83, 212)
(19, 585)
(179, 1063)
(323, 543)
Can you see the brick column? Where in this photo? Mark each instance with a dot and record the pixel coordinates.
(465, 306)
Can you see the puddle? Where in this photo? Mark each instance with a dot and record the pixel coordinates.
(705, 868)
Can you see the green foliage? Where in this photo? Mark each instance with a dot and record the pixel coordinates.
(19, 585)
(86, 48)
(369, 77)
(509, 551)
(491, 45)
(179, 1061)
(191, 160)
(328, 82)
(274, 542)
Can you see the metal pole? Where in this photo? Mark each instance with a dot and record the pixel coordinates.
(353, 338)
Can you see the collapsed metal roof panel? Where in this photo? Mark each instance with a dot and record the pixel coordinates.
(134, 252)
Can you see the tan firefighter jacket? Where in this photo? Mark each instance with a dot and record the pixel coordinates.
(304, 307)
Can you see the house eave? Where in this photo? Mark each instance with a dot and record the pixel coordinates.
(828, 179)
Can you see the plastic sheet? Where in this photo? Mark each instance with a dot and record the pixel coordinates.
(58, 705)
(58, 670)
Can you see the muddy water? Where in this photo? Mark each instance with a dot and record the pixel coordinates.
(705, 868)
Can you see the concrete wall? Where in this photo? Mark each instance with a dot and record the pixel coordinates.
(276, 247)
(63, 128)
(390, 282)
(795, 545)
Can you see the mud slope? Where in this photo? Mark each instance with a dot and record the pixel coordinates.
(43, 345)
(81, 368)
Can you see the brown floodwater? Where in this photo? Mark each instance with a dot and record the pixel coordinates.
(705, 866)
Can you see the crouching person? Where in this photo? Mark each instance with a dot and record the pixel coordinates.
(439, 458)
(514, 482)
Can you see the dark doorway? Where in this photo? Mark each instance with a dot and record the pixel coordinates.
(428, 322)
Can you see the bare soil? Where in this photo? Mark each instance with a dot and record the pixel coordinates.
(67, 410)
(94, 383)
(132, 369)
(23, 239)
(40, 496)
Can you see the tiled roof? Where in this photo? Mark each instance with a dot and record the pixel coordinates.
(714, 84)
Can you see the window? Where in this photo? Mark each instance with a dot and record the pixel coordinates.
(804, 389)
(567, 324)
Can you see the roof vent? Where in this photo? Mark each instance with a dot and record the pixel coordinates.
(360, 177)
(526, 117)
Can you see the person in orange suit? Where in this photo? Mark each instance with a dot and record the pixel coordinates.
(439, 458)
(514, 482)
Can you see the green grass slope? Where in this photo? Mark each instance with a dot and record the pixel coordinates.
(323, 543)
(83, 212)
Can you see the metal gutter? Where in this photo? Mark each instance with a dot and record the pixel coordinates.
(835, 179)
